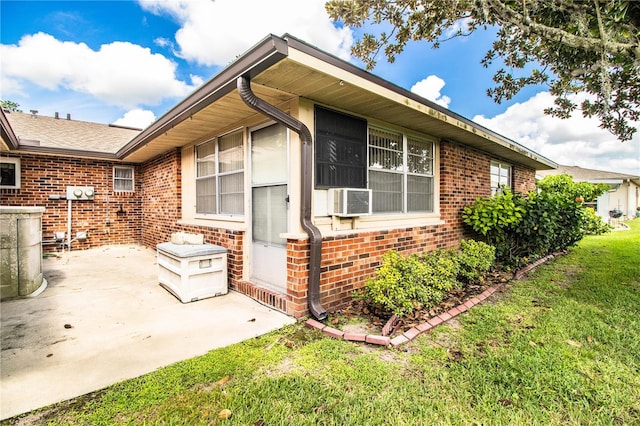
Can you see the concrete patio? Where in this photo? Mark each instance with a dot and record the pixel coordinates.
(102, 319)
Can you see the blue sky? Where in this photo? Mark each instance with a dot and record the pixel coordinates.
(128, 62)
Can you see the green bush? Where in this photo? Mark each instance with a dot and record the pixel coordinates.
(525, 227)
(474, 260)
(593, 223)
(402, 284)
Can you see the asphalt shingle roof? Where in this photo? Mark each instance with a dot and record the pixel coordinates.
(582, 175)
(61, 133)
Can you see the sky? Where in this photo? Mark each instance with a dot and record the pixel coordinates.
(129, 62)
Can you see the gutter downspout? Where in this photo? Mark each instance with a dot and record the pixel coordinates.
(315, 237)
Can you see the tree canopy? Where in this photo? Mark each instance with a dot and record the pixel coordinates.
(573, 46)
(10, 106)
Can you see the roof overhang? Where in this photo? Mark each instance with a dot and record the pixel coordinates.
(283, 69)
(191, 118)
(8, 138)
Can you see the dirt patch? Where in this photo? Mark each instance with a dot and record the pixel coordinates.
(53, 412)
(285, 366)
(571, 272)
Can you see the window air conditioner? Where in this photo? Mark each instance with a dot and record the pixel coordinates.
(349, 202)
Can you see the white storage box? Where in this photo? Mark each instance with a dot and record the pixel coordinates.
(192, 272)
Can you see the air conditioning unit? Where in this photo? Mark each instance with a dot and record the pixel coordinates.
(349, 202)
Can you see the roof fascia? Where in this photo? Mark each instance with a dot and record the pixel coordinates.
(8, 136)
(66, 152)
(263, 55)
(337, 62)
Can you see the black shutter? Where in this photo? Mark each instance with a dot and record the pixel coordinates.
(341, 150)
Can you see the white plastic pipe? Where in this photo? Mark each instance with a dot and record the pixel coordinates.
(69, 225)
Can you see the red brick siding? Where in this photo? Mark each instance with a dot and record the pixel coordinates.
(524, 179)
(161, 204)
(152, 212)
(347, 261)
(162, 209)
(43, 176)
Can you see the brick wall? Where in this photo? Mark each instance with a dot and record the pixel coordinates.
(524, 179)
(347, 261)
(161, 204)
(43, 176)
(161, 211)
(151, 214)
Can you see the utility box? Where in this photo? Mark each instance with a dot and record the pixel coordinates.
(192, 272)
(21, 252)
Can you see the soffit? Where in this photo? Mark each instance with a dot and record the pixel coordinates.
(338, 86)
(329, 85)
(227, 112)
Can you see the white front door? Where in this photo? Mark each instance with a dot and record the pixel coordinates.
(269, 207)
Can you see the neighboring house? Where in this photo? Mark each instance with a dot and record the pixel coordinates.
(624, 194)
(305, 167)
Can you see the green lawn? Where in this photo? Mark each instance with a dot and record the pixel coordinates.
(559, 347)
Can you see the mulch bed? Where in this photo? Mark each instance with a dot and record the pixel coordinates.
(372, 319)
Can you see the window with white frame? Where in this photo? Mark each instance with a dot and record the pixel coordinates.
(123, 179)
(400, 172)
(220, 175)
(9, 173)
(500, 176)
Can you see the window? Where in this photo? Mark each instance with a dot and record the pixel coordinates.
(400, 172)
(500, 176)
(220, 176)
(340, 150)
(10, 173)
(123, 179)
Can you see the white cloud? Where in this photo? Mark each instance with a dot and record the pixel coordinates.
(136, 118)
(119, 73)
(577, 141)
(429, 88)
(459, 25)
(216, 32)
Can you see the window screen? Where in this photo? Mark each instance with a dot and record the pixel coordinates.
(123, 179)
(220, 175)
(341, 143)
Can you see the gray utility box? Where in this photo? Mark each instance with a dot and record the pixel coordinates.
(192, 272)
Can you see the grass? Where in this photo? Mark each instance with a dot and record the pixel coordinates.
(559, 347)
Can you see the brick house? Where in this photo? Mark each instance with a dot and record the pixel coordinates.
(305, 167)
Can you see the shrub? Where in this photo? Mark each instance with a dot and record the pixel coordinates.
(497, 219)
(474, 260)
(593, 223)
(525, 227)
(403, 284)
(564, 184)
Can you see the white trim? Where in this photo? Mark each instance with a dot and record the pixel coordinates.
(501, 165)
(132, 179)
(17, 175)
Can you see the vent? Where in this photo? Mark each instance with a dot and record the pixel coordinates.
(349, 202)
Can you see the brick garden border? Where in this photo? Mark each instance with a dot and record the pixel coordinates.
(414, 332)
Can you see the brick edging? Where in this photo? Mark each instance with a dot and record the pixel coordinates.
(520, 273)
(408, 335)
(414, 332)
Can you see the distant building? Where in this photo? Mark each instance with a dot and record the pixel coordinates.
(624, 194)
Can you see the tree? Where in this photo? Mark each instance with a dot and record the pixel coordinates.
(573, 46)
(10, 106)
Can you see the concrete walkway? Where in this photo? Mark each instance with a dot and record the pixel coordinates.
(103, 318)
